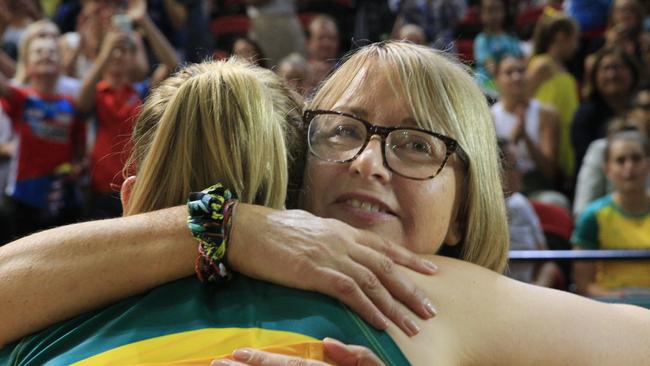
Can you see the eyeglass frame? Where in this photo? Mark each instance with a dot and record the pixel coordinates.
(451, 145)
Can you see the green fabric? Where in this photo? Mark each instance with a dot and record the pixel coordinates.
(186, 305)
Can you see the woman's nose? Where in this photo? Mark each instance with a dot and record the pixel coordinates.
(370, 163)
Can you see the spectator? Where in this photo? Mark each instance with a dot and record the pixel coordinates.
(592, 183)
(42, 191)
(555, 42)
(249, 50)
(620, 220)
(523, 225)
(624, 27)
(81, 48)
(438, 18)
(322, 47)
(44, 28)
(276, 28)
(532, 128)
(295, 71)
(613, 80)
(492, 44)
(412, 33)
(110, 91)
(624, 31)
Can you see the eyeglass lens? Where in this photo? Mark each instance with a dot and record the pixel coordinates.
(408, 152)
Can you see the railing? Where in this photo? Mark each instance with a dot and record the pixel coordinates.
(573, 255)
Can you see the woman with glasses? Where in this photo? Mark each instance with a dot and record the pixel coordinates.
(610, 87)
(379, 161)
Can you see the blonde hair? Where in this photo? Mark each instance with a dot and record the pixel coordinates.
(443, 97)
(31, 33)
(220, 121)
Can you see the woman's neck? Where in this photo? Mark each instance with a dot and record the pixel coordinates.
(618, 103)
(556, 56)
(636, 201)
(116, 80)
(510, 102)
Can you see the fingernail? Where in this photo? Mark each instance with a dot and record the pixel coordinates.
(331, 340)
(411, 326)
(242, 354)
(382, 323)
(220, 363)
(429, 308)
(430, 265)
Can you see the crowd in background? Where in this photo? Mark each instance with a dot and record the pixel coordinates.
(567, 81)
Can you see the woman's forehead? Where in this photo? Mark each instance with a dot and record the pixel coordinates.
(370, 92)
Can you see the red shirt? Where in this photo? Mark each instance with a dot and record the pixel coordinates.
(116, 111)
(48, 133)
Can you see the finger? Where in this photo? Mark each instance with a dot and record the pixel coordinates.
(397, 284)
(376, 291)
(398, 253)
(226, 362)
(345, 355)
(340, 286)
(255, 357)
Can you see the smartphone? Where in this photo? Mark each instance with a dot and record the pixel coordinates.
(122, 22)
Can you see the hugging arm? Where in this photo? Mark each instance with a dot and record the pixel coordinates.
(495, 320)
(56, 274)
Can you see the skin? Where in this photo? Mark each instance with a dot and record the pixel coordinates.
(48, 31)
(244, 49)
(42, 66)
(624, 14)
(627, 167)
(412, 33)
(295, 76)
(43, 57)
(503, 303)
(492, 15)
(323, 42)
(614, 80)
(419, 225)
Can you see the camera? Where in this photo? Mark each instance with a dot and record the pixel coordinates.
(122, 22)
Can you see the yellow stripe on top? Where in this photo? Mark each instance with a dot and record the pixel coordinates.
(199, 347)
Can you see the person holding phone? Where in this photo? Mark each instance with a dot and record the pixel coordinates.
(111, 94)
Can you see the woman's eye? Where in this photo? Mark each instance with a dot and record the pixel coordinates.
(420, 147)
(344, 131)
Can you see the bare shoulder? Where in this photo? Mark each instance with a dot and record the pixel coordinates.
(541, 64)
(547, 110)
(482, 313)
(549, 115)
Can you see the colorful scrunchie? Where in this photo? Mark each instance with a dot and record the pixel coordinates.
(209, 217)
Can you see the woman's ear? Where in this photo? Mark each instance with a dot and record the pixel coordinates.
(126, 190)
